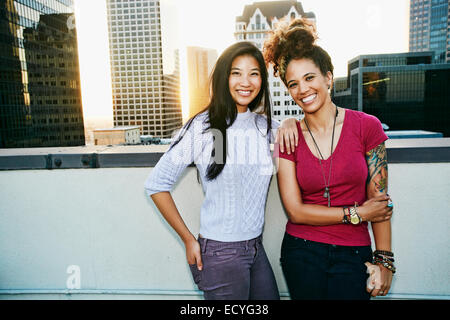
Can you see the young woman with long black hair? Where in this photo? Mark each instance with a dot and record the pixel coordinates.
(229, 142)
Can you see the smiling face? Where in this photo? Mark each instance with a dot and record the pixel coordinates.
(244, 81)
(307, 85)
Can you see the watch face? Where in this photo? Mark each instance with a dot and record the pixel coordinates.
(354, 219)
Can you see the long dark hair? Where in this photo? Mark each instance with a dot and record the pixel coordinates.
(222, 109)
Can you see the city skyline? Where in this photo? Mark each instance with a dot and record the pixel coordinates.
(338, 35)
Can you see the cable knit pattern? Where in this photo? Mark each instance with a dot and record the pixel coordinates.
(234, 205)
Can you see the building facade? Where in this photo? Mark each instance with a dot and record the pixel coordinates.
(406, 91)
(117, 135)
(200, 63)
(429, 28)
(144, 92)
(40, 93)
(254, 25)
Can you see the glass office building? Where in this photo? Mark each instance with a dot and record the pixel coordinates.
(40, 94)
(406, 91)
(429, 28)
(144, 68)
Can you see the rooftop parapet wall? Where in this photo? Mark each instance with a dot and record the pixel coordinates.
(93, 233)
(427, 150)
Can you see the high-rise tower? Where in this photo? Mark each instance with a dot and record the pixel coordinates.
(200, 63)
(145, 92)
(40, 94)
(429, 28)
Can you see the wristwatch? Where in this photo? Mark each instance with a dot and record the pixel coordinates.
(354, 216)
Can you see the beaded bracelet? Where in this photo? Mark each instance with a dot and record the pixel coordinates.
(384, 258)
(345, 219)
(386, 264)
(384, 253)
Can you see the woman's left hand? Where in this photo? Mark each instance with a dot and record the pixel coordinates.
(386, 279)
(287, 135)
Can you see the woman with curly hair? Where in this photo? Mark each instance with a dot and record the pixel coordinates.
(333, 184)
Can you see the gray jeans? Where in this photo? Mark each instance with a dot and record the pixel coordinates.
(235, 271)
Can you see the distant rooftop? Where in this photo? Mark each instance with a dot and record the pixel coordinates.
(119, 128)
(412, 134)
(99, 149)
(273, 9)
(390, 55)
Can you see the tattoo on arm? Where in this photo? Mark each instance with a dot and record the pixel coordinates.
(378, 171)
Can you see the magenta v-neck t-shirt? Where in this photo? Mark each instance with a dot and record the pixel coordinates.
(360, 133)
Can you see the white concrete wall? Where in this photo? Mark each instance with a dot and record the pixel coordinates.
(101, 221)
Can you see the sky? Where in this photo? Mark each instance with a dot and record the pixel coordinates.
(346, 29)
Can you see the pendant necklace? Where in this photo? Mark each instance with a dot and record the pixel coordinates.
(326, 194)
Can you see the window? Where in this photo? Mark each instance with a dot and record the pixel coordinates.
(258, 21)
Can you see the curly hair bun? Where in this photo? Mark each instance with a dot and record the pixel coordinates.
(299, 36)
(289, 40)
(294, 40)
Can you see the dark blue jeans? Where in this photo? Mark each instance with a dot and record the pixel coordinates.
(235, 271)
(315, 270)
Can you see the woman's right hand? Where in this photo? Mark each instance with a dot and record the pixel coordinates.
(193, 253)
(376, 209)
(287, 135)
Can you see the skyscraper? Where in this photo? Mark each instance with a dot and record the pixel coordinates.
(254, 25)
(429, 28)
(40, 94)
(145, 92)
(200, 62)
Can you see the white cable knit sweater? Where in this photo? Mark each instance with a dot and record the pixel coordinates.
(234, 205)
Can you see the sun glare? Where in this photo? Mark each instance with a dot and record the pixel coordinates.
(379, 31)
(184, 85)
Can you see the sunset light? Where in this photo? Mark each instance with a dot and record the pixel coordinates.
(381, 27)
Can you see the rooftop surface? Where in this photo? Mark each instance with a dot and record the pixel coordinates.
(119, 128)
